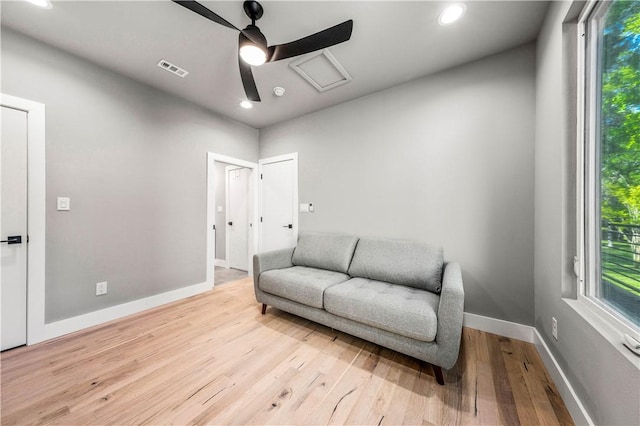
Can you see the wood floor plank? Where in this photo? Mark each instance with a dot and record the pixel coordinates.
(516, 376)
(369, 407)
(406, 369)
(340, 399)
(486, 406)
(213, 358)
(335, 362)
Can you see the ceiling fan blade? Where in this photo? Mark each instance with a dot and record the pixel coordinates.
(247, 81)
(320, 40)
(196, 7)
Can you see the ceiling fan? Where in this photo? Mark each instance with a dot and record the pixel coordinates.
(252, 45)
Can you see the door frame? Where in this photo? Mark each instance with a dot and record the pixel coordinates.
(212, 158)
(277, 159)
(36, 213)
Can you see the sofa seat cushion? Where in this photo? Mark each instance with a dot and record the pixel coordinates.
(300, 284)
(406, 311)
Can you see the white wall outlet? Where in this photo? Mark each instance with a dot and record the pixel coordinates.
(554, 328)
(101, 288)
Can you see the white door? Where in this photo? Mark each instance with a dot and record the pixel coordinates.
(13, 224)
(278, 203)
(238, 217)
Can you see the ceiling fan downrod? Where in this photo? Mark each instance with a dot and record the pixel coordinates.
(253, 9)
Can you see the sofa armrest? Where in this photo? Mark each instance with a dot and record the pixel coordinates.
(450, 314)
(276, 259)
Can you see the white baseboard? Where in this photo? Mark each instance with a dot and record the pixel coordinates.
(70, 325)
(508, 329)
(571, 400)
(221, 263)
(529, 334)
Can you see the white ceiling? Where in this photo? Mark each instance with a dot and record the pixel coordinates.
(392, 42)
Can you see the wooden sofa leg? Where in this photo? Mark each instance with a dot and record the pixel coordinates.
(438, 372)
(264, 308)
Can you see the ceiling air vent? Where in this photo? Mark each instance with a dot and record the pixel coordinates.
(321, 70)
(165, 65)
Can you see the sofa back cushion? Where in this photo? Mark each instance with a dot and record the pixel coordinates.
(408, 263)
(325, 251)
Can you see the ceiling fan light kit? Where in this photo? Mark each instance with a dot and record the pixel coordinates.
(252, 44)
(252, 54)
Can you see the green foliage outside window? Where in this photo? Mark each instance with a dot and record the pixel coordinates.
(620, 157)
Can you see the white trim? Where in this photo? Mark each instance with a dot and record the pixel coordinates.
(508, 329)
(608, 326)
(211, 210)
(37, 213)
(286, 157)
(111, 313)
(567, 393)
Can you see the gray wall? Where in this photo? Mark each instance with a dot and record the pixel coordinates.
(604, 378)
(133, 161)
(447, 159)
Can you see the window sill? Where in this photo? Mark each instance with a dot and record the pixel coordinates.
(608, 327)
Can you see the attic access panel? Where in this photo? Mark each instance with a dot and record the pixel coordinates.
(322, 70)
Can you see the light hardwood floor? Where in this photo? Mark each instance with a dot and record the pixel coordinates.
(225, 275)
(214, 359)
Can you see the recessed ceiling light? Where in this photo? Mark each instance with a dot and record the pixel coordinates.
(45, 4)
(452, 13)
(246, 104)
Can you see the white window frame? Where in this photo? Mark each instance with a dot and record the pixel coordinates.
(588, 186)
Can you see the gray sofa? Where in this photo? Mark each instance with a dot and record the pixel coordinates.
(397, 294)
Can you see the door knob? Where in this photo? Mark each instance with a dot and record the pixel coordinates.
(290, 226)
(15, 239)
(230, 223)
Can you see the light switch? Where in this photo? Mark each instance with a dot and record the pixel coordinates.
(64, 204)
(219, 209)
(306, 208)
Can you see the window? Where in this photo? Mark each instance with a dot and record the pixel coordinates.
(612, 159)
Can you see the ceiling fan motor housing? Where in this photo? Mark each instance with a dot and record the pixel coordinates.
(252, 34)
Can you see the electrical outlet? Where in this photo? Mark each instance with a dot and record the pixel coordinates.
(554, 327)
(101, 288)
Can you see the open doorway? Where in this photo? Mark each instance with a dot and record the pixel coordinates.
(237, 220)
(231, 218)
